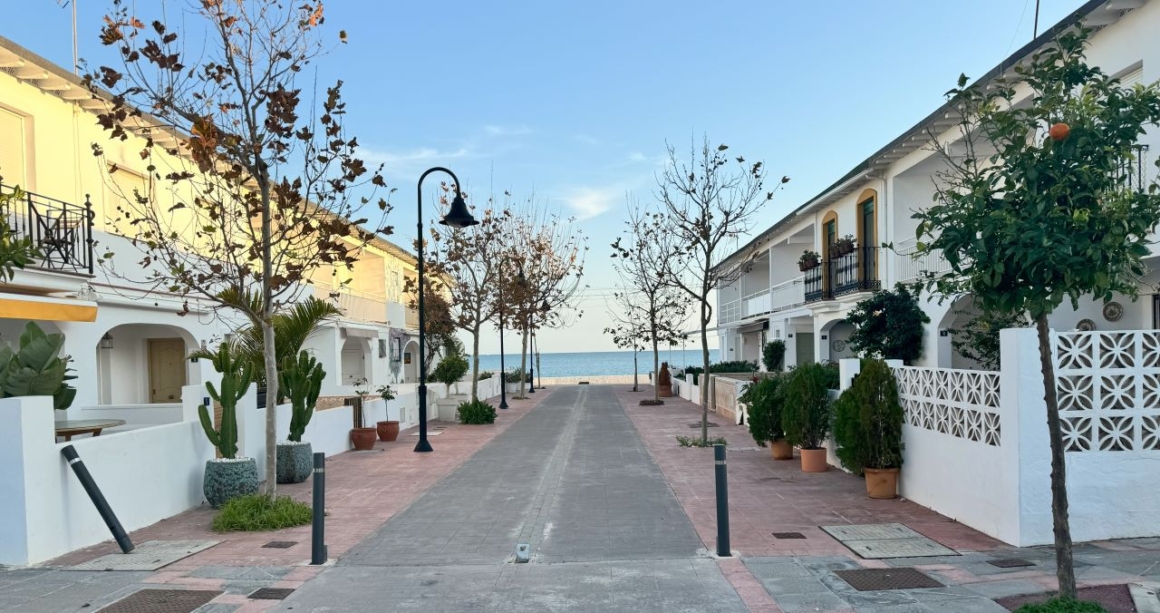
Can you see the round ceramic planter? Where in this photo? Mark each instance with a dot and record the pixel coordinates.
(881, 483)
(814, 460)
(666, 391)
(781, 449)
(388, 430)
(363, 439)
(227, 478)
(295, 461)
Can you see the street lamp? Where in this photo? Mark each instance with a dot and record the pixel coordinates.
(522, 281)
(544, 306)
(457, 217)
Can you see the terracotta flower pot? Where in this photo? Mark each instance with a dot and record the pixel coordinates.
(388, 430)
(781, 449)
(814, 460)
(881, 483)
(363, 439)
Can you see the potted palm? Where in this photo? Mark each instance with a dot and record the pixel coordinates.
(868, 420)
(808, 260)
(228, 476)
(361, 437)
(300, 381)
(388, 430)
(764, 400)
(805, 414)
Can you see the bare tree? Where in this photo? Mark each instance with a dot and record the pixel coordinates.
(710, 200)
(260, 189)
(629, 329)
(640, 257)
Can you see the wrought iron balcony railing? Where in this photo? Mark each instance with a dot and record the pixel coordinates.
(852, 272)
(61, 231)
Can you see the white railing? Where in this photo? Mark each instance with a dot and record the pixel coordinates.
(909, 265)
(788, 294)
(730, 312)
(756, 303)
(355, 304)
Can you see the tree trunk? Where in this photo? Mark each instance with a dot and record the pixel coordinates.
(705, 374)
(1065, 570)
(656, 362)
(475, 362)
(271, 358)
(523, 360)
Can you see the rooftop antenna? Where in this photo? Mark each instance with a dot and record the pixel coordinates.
(76, 60)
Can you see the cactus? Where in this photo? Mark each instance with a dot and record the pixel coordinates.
(33, 369)
(237, 374)
(301, 380)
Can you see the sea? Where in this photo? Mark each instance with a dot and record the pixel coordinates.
(597, 363)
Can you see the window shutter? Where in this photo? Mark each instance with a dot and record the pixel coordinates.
(13, 165)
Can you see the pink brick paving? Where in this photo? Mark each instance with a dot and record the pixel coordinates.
(363, 491)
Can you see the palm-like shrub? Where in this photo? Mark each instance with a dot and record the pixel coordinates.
(868, 420)
(765, 400)
(806, 413)
(476, 412)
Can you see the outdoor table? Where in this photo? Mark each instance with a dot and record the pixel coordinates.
(71, 427)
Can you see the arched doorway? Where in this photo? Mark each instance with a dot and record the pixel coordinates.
(143, 364)
(411, 362)
(355, 361)
(834, 342)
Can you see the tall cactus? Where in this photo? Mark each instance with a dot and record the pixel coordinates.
(301, 381)
(237, 374)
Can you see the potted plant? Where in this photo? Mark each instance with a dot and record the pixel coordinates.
(808, 260)
(361, 437)
(764, 400)
(388, 430)
(450, 370)
(228, 476)
(868, 420)
(844, 245)
(805, 415)
(34, 369)
(300, 381)
(664, 381)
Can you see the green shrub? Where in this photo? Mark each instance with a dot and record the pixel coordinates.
(686, 441)
(833, 375)
(257, 513)
(450, 369)
(765, 399)
(805, 416)
(868, 420)
(513, 375)
(773, 355)
(1062, 605)
(733, 366)
(476, 412)
(888, 325)
(484, 375)
(32, 368)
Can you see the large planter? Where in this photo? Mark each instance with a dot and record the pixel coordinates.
(295, 461)
(665, 391)
(881, 483)
(227, 478)
(814, 460)
(388, 430)
(781, 449)
(363, 439)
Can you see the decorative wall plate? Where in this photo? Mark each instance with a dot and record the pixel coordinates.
(838, 346)
(1085, 325)
(1113, 311)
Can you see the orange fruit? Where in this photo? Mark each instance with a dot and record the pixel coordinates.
(1059, 131)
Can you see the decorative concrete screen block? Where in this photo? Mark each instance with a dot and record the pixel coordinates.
(1109, 390)
(959, 403)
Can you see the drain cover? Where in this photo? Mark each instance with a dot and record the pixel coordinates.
(271, 593)
(697, 424)
(882, 541)
(149, 555)
(279, 544)
(788, 535)
(873, 579)
(161, 601)
(1010, 563)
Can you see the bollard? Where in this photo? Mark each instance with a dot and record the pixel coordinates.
(722, 501)
(98, 498)
(317, 538)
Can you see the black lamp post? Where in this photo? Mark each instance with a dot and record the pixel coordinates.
(544, 306)
(457, 217)
(521, 280)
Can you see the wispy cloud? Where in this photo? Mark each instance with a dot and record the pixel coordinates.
(397, 163)
(589, 202)
(495, 130)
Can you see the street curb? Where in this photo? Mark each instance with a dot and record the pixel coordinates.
(1144, 597)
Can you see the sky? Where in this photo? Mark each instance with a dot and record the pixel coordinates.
(572, 103)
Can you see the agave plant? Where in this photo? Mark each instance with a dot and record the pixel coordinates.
(34, 369)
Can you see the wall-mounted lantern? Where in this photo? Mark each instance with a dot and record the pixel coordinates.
(107, 341)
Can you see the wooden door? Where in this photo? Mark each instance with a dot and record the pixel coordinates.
(166, 369)
(805, 348)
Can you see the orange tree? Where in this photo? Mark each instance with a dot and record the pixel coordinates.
(1039, 210)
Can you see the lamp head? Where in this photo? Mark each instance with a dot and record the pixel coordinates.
(458, 216)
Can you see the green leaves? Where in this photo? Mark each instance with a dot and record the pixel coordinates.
(888, 325)
(34, 368)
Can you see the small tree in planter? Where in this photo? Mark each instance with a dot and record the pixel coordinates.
(301, 381)
(388, 429)
(362, 437)
(765, 400)
(450, 370)
(806, 414)
(773, 355)
(868, 429)
(228, 476)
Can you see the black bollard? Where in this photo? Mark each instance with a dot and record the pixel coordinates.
(531, 377)
(98, 498)
(722, 501)
(317, 537)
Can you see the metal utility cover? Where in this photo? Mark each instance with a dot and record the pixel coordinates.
(279, 544)
(875, 579)
(881, 541)
(162, 601)
(788, 535)
(150, 555)
(868, 532)
(1010, 563)
(698, 425)
(271, 593)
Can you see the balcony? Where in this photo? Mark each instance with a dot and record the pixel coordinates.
(911, 266)
(355, 305)
(850, 273)
(788, 294)
(61, 231)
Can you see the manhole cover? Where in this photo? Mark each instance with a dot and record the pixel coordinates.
(280, 544)
(870, 532)
(873, 579)
(698, 425)
(161, 601)
(882, 541)
(149, 555)
(271, 593)
(1010, 563)
(788, 535)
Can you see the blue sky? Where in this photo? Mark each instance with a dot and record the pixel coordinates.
(573, 101)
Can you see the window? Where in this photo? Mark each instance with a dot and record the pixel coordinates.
(13, 150)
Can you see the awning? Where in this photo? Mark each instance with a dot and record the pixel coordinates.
(753, 327)
(46, 309)
(359, 332)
